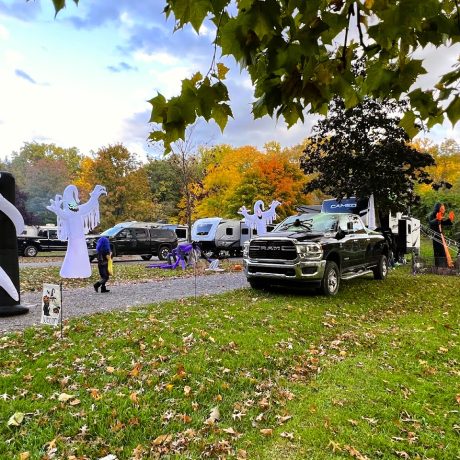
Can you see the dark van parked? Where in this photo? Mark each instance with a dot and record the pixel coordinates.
(136, 238)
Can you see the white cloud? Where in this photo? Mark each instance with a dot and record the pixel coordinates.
(4, 33)
(158, 57)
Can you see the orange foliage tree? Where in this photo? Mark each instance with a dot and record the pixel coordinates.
(241, 176)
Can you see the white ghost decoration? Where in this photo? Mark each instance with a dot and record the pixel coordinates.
(74, 221)
(260, 219)
(15, 216)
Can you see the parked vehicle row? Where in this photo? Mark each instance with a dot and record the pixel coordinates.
(136, 238)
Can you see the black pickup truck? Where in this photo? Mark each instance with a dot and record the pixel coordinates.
(316, 249)
(45, 241)
(136, 238)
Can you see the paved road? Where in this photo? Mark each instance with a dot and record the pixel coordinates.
(84, 301)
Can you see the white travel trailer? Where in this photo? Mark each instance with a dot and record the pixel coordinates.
(216, 235)
(405, 230)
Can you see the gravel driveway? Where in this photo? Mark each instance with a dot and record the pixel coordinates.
(84, 301)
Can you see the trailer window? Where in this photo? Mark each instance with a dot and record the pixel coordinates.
(229, 231)
(203, 229)
(245, 231)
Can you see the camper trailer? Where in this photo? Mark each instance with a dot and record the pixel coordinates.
(405, 230)
(217, 236)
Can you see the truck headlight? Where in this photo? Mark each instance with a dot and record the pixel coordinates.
(309, 251)
(246, 249)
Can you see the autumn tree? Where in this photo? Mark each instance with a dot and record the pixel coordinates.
(300, 54)
(223, 177)
(274, 175)
(32, 152)
(162, 176)
(45, 178)
(128, 193)
(446, 176)
(362, 151)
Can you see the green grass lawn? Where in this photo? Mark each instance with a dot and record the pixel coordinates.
(372, 373)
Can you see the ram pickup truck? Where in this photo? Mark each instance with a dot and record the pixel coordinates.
(315, 250)
(45, 241)
(136, 238)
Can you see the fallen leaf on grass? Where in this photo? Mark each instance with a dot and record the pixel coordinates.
(266, 431)
(335, 446)
(135, 370)
(24, 456)
(457, 397)
(287, 435)
(214, 416)
(355, 453)
(64, 397)
(16, 419)
(162, 439)
(187, 390)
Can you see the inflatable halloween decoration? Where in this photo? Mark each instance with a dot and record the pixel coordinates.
(74, 221)
(260, 219)
(185, 254)
(438, 222)
(11, 225)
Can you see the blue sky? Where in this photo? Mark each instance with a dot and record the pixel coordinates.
(83, 79)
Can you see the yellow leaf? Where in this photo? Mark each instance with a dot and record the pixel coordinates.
(16, 419)
(136, 370)
(222, 71)
(133, 398)
(266, 431)
(335, 446)
(117, 427)
(162, 439)
(169, 387)
(24, 456)
(369, 4)
(94, 392)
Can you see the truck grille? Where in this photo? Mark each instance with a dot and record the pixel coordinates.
(272, 249)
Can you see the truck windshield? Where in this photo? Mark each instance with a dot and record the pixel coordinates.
(111, 231)
(310, 223)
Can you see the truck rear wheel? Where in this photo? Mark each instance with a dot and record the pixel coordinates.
(331, 279)
(30, 251)
(381, 271)
(163, 252)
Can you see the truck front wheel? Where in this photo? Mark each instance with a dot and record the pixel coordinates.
(30, 251)
(331, 279)
(257, 283)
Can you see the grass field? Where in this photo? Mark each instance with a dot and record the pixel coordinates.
(372, 373)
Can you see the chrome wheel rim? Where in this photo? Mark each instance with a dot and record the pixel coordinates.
(384, 268)
(332, 281)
